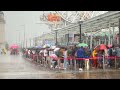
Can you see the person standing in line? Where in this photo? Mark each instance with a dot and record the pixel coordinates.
(81, 54)
(65, 59)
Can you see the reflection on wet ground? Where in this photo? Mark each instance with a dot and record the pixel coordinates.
(15, 67)
(108, 74)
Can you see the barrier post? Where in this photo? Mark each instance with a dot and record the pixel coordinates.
(87, 64)
(74, 73)
(103, 63)
(58, 65)
(37, 58)
(115, 63)
(71, 64)
(75, 65)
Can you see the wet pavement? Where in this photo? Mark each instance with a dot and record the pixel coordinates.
(95, 74)
(16, 67)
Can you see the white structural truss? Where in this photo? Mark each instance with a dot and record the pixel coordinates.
(76, 16)
(106, 20)
(68, 17)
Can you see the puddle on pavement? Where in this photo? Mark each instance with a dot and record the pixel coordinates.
(89, 75)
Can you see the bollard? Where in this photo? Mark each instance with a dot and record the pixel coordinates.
(87, 64)
(59, 65)
(37, 59)
(103, 63)
(71, 64)
(75, 65)
(115, 63)
(75, 68)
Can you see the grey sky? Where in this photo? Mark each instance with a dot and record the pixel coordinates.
(14, 20)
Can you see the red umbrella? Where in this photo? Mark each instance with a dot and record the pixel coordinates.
(14, 46)
(103, 47)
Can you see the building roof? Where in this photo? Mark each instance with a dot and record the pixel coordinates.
(96, 23)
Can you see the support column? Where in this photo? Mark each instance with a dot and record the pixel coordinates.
(91, 37)
(99, 42)
(80, 34)
(105, 41)
(109, 35)
(26, 43)
(68, 38)
(119, 31)
(113, 34)
(56, 37)
(30, 42)
(86, 40)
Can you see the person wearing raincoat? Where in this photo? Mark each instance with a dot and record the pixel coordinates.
(94, 55)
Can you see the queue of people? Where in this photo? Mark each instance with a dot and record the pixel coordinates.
(84, 57)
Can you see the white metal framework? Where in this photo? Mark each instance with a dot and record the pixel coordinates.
(96, 23)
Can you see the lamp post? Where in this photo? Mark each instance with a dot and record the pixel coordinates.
(56, 32)
(30, 42)
(19, 36)
(68, 38)
(80, 24)
(119, 31)
(24, 35)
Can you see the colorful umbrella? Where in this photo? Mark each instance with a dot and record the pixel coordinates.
(82, 45)
(53, 56)
(100, 47)
(103, 47)
(14, 46)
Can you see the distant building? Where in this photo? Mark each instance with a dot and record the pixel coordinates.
(2, 29)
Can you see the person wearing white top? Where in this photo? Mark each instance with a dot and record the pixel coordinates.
(45, 55)
(65, 59)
